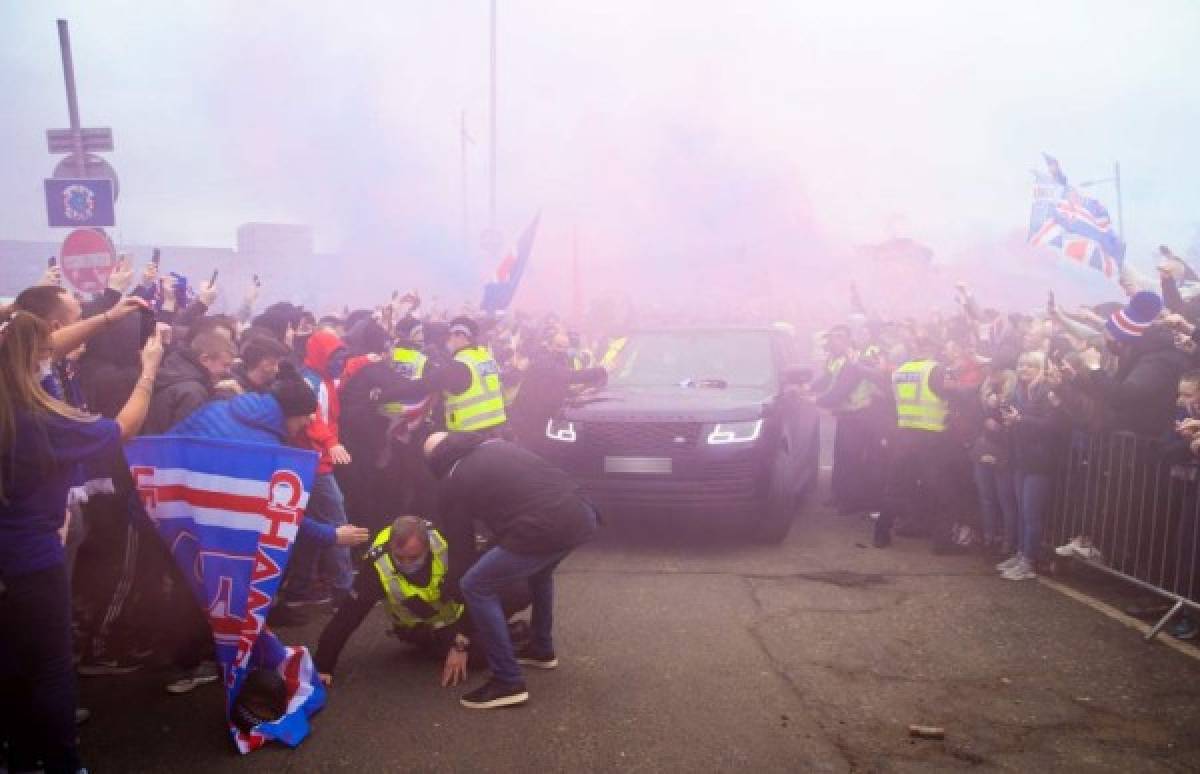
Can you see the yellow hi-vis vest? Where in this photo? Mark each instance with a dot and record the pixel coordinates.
(482, 405)
(917, 407)
(399, 588)
(410, 364)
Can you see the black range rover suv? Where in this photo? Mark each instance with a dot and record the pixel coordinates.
(700, 420)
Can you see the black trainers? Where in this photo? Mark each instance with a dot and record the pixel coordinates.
(495, 694)
(519, 632)
(542, 659)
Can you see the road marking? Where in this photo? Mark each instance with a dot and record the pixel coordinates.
(1115, 614)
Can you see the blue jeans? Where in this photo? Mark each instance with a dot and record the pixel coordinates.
(325, 504)
(1034, 491)
(481, 586)
(997, 502)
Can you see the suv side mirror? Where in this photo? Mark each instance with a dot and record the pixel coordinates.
(797, 376)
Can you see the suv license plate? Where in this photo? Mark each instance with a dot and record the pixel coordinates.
(657, 466)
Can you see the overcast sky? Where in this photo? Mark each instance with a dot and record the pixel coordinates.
(673, 132)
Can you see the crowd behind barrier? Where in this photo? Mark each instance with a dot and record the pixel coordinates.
(1030, 437)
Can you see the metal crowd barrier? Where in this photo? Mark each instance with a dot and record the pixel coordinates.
(1139, 511)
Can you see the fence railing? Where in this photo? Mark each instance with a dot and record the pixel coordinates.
(1135, 515)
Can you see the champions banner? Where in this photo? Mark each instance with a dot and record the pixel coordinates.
(229, 512)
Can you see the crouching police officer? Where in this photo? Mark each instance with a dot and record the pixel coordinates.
(408, 568)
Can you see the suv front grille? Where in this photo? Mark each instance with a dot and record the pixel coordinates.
(660, 438)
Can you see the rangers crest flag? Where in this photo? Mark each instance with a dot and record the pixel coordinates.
(1076, 226)
(78, 203)
(229, 513)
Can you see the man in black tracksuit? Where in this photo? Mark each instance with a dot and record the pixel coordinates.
(536, 516)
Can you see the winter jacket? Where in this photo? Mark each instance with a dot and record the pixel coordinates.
(322, 433)
(530, 506)
(253, 417)
(1039, 436)
(364, 389)
(994, 446)
(1142, 391)
(543, 389)
(112, 361)
(183, 386)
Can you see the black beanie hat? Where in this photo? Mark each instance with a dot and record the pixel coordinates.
(295, 397)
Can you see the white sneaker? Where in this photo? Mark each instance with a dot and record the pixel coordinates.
(1071, 547)
(1023, 570)
(203, 674)
(1009, 563)
(1089, 552)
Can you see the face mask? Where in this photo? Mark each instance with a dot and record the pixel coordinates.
(46, 367)
(410, 567)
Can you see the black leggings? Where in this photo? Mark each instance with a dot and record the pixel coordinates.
(37, 674)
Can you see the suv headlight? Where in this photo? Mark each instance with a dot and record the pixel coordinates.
(736, 432)
(560, 430)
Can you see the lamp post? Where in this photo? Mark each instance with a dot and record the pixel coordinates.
(1116, 181)
(492, 126)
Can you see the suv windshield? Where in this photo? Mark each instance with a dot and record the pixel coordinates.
(696, 359)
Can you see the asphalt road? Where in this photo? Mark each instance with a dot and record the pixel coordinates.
(699, 652)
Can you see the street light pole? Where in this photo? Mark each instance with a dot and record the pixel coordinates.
(492, 128)
(64, 45)
(463, 139)
(1120, 204)
(1116, 181)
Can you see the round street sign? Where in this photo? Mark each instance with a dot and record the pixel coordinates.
(87, 259)
(94, 168)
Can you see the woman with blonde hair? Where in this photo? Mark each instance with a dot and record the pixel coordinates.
(1038, 427)
(42, 443)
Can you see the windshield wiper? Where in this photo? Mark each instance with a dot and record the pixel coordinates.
(718, 384)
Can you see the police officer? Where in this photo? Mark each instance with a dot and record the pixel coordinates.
(407, 568)
(409, 488)
(472, 392)
(407, 356)
(861, 399)
(921, 451)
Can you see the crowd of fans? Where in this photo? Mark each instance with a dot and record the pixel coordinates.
(1007, 397)
(89, 588)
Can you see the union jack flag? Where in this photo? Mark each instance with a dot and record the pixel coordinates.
(229, 512)
(1077, 226)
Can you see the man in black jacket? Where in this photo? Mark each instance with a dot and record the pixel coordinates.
(186, 381)
(373, 486)
(536, 516)
(1142, 391)
(545, 384)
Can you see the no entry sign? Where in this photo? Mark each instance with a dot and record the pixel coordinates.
(87, 259)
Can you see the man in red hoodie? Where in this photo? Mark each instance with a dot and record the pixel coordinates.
(324, 361)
